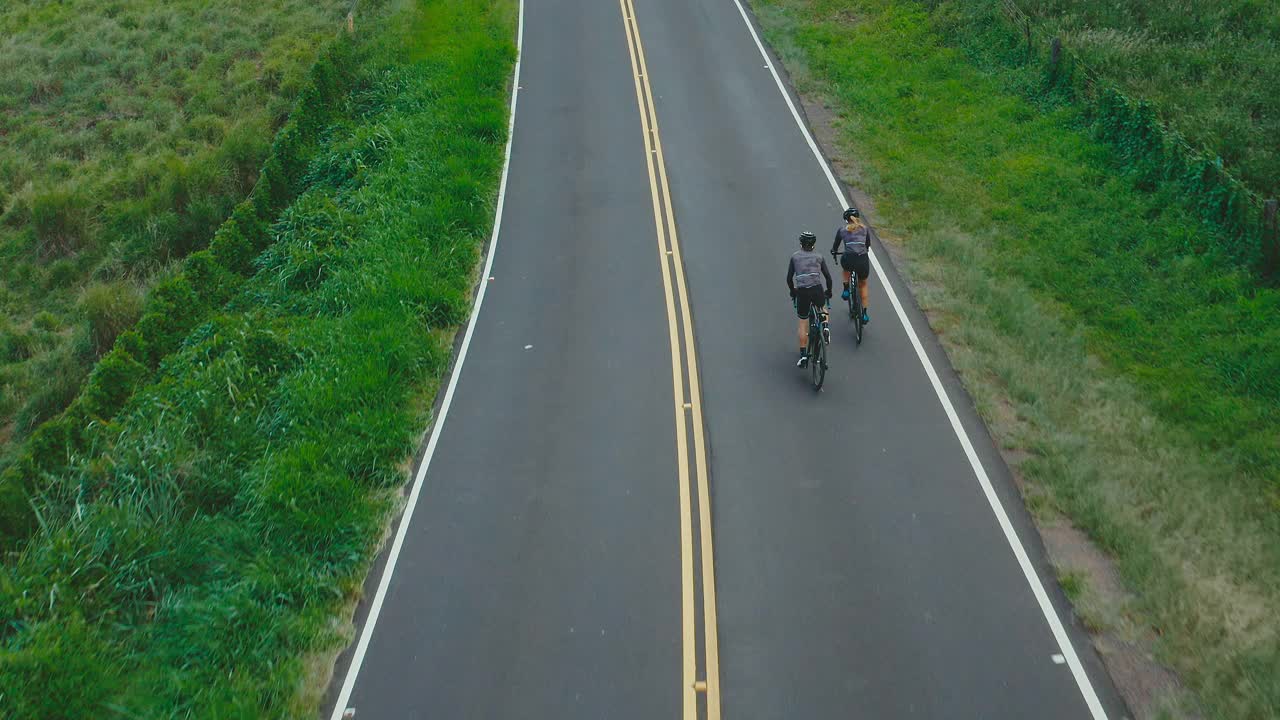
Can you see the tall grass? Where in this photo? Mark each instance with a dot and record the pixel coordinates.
(128, 131)
(1204, 66)
(200, 554)
(1208, 67)
(1098, 328)
(1136, 104)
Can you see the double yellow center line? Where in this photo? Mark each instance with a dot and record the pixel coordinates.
(688, 412)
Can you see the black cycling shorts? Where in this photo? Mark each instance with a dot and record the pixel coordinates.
(810, 297)
(860, 264)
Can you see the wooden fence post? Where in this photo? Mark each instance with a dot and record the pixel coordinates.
(1270, 237)
(1055, 56)
(351, 17)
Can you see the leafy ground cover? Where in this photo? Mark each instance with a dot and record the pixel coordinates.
(198, 550)
(1206, 66)
(128, 131)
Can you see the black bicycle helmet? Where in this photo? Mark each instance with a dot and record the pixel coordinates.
(851, 213)
(808, 240)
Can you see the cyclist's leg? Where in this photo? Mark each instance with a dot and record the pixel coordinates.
(864, 273)
(845, 264)
(802, 312)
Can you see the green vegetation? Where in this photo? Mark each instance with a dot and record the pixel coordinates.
(1072, 584)
(173, 308)
(1101, 327)
(1184, 108)
(128, 131)
(198, 547)
(1207, 67)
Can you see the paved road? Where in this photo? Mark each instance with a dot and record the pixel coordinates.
(859, 568)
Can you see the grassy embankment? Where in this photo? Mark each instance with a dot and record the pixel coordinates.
(1177, 91)
(128, 132)
(1101, 327)
(1206, 67)
(198, 549)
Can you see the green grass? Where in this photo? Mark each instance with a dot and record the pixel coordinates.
(1207, 67)
(200, 557)
(1073, 584)
(1183, 102)
(1096, 327)
(128, 131)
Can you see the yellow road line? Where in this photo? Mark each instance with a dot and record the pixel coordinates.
(689, 662)
(669, 245)
(711, 636)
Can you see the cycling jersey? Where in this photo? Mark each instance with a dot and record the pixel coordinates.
(806, 270)
(856, 242)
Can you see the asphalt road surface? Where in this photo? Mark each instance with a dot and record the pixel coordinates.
(616, 522)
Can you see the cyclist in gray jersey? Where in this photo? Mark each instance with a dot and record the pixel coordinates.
(805, 274)
(855, 239)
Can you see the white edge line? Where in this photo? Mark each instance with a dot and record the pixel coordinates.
(366, 633)
(1037, 588)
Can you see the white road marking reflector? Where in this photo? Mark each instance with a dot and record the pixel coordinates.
(528, 347)
(1058, 659)
(1002, 517)
(375, 608)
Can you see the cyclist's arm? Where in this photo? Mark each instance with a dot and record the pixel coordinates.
(827, 274)
(791, 272)
(835, 246)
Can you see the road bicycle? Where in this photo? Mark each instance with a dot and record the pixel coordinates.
(855, 302)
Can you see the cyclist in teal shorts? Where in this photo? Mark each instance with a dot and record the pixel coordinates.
(855, 237)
